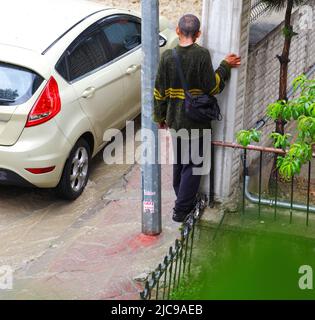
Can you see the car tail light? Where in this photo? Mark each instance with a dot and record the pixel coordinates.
(47, 106)
(40, 170)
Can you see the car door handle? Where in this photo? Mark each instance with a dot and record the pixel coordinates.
(132, 69)
(88, 93)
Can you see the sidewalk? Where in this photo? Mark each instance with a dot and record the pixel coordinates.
(102, 252)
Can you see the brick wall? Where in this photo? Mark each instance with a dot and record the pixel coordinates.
(261, 86)
(264, 67)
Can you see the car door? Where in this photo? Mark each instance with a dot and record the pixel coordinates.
(97, 81)
(123, 34)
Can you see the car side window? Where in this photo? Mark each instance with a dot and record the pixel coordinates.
(123, 35)
(85, 54)
(62, 68)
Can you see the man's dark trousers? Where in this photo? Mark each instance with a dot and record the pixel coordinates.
(185, 183)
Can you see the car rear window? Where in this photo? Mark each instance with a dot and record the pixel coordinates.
(17, 84)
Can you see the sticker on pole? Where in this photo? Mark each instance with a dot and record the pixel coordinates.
(148, 206)
(149, 193)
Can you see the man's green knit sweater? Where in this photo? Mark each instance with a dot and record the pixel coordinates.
(200, 77)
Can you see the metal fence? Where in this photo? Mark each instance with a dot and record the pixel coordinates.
(176, 265)
(274, 201)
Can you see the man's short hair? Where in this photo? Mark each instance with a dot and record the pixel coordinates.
(189, 25)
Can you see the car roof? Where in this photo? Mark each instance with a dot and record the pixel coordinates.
(36, 24)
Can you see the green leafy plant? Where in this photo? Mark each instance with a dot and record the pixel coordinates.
(280, 141)
(276, 109)
(288, 167)
(245, 137)
(306, 128)
(291, 164)
(301, 110)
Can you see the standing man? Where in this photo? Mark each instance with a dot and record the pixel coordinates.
(169, 100)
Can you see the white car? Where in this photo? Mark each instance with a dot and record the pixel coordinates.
(69, 70)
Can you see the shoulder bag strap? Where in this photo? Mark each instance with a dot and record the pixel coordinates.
(180, 70)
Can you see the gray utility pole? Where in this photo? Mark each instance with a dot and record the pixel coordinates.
(151, 173)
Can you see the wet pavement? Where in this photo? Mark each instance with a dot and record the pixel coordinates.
(88, 249)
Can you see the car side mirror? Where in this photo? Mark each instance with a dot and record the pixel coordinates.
(162, 42)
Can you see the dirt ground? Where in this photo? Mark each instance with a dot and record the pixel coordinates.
(173, 10)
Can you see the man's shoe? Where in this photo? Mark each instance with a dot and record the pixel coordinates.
(180, 216)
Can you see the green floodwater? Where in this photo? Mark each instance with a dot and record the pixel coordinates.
(247, 265)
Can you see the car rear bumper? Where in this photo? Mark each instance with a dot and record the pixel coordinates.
(8, 177)
(42, 146)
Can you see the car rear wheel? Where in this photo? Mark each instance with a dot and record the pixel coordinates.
(76, 172)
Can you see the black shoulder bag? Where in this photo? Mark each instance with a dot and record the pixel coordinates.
(202, 108)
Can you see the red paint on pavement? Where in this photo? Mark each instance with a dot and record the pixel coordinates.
(141, 241)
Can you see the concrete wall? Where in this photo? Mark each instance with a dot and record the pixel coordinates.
(228, 33)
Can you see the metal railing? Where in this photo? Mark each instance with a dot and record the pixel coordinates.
(274, 201)
(177, 263)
